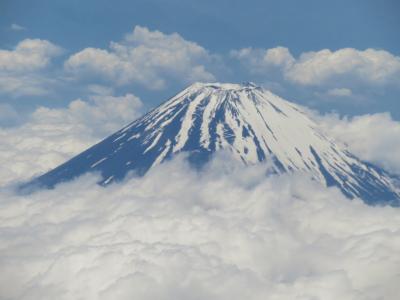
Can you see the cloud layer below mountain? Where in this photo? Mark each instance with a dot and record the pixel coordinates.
(179, 234)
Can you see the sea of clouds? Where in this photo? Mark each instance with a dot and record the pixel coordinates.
(227, 232)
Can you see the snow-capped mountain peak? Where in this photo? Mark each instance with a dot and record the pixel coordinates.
(252, 123)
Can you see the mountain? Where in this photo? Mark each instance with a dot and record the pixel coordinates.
(247, 120)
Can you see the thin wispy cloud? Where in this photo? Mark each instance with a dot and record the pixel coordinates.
(16, 27)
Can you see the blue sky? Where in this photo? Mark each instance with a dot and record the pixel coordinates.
(220, 30)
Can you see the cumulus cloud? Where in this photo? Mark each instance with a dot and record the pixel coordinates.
(180, 234)
(258, 60)
(20, 68)
(28, 55)
(370, 66)
(145, 57)
(52, 135)
(372, 137)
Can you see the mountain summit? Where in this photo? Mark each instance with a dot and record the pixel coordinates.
(249, 121)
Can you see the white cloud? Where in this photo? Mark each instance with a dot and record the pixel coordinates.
(98, 89)
(339, 92)
(279, 56)
(20, 84)
(146, 57)
(370, 66)
(372, 137)
(178, 234)
(20, 68)
(17, 27)
(258, 60)
(52, 135)
(28, 55)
